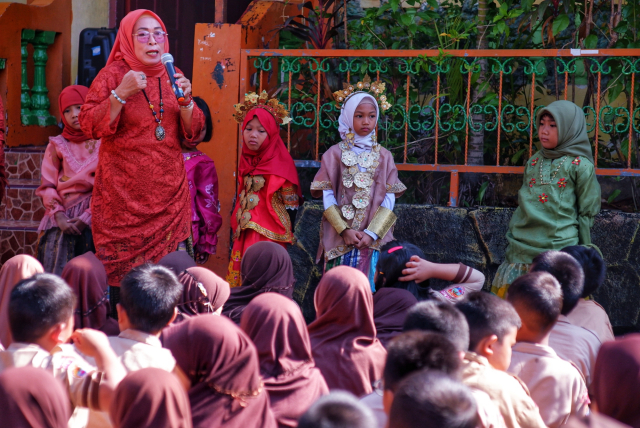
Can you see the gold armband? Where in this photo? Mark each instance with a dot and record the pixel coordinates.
(383, 220)
(334, 217)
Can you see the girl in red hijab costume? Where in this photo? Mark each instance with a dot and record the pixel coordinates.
(267, 177)
(141, 203)
(68, 171)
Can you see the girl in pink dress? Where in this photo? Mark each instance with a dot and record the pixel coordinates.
(68, 171)
(203, 187)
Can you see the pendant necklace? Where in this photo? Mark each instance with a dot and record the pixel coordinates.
(160, 134)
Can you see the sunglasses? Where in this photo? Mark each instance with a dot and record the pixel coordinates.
(143, 36)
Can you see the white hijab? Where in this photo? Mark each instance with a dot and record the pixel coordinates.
(345, 120)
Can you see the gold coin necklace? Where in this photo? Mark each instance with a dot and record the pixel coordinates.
(160, 134)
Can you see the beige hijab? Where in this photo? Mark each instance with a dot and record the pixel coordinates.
(13, 271)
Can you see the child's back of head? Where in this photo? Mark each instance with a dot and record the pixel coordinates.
(567, 271)
(149, 295)
(38, 304)
(593, 267)
(439, 317)
(537, 298)
(338, 410)
(428, 399)
(392, 261)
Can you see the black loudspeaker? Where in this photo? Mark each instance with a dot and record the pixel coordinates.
(94, 50)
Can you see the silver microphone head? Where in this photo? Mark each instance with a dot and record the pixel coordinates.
(165, 58)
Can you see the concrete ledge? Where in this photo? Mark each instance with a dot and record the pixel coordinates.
(476, 237)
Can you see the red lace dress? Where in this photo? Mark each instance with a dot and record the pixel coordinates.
(141, 205)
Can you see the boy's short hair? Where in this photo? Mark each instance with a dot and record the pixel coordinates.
(439, 317)
(547, 114)
(593, 267)
(541, 296)
(487, 315)
(338, 410)
(149, 294)
(37, 304)
(418, 350)
(567, 271)
(428, 399)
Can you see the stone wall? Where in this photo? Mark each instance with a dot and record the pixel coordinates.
(476, 237)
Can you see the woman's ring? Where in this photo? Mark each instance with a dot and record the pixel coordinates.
(143, 77)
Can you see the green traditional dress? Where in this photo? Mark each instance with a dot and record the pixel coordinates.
(559, 198)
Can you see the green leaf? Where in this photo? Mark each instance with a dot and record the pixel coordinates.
(591, 42)
(614, 195)
(482, 191)
(515, 158)
(621, 28)
(406, 20)
(615, 91)
(433, 3)
(503, 8)
(394, 4)
(560, 23)
(515, 13)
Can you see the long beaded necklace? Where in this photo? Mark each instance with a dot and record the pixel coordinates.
(160, 134)
(542, 183)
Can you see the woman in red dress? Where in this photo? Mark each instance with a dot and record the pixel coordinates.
(141, 204)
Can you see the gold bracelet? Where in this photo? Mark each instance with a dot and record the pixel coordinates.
(382, 222)
(334, 217)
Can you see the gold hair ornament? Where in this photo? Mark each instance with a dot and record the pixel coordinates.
(272, 105)
(376, 89)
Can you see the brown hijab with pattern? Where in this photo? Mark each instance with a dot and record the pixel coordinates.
(222, 365)
(390, 306)
(343, 336)
(277, 328)
(204, 292)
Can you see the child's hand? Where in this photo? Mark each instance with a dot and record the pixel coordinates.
(65, 225)
(351, 237)
(79, 224)
(91, 343)
(418, 270)
(365, 242)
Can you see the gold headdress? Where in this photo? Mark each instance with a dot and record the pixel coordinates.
(253, 100)
(376, 89)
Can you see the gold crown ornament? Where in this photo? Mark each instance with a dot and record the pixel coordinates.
(272, 105)
(376, 89)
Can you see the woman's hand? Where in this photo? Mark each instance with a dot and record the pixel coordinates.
(183, 83)
(351, 237)
(65, 225)
(79, 224)
(365, 242)
(418, 270)
(132, 83)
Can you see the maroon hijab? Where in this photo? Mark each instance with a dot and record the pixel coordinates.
(343, 336)
(266, 266)
(390, 306)
(32, 398)
(177, 261)
(616, 380)
(277, 328)
(204, 292)
(222, 364)
(150, 398)
(88, 279)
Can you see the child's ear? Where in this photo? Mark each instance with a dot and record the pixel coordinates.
(387, 400)
(56, 332)
(485, 347)
(173, 318)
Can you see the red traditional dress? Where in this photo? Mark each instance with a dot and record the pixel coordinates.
(141, 204)
(268, 186)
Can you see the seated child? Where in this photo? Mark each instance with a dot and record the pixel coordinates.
(268, 180)
(358, 182)
(429, 399)
(68, 172)
(493, 325)
(588, 313)
(403, 265)
(203, 187)
(556, 386)
(41, 320)
(572, 343)
(560, 195)
(339, 409)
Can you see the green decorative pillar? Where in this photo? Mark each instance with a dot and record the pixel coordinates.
(39, 98)
(27, 116)
(3, 63)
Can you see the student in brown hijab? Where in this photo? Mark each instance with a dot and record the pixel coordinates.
(220, 364)
(204, 293)
(150, 398)
(616, 380)
(266, 266)
(343, 336)
(390, 306)
(88, 279)
(32, 398)
(276, 326)
(177, 261)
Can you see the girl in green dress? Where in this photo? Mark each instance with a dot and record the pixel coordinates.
(560, 195)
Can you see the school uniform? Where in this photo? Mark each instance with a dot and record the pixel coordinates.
(555, 385)
(508, 393)
(575, 344)
(590, 315)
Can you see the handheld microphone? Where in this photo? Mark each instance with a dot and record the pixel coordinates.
(167, 61)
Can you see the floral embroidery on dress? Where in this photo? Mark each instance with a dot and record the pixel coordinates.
(576, 161)
(543, 198)
(534, 162)
(532, 182)
(562, 183)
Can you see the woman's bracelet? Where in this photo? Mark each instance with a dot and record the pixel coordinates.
(120, 100)
(188, 106)
(186, 103)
